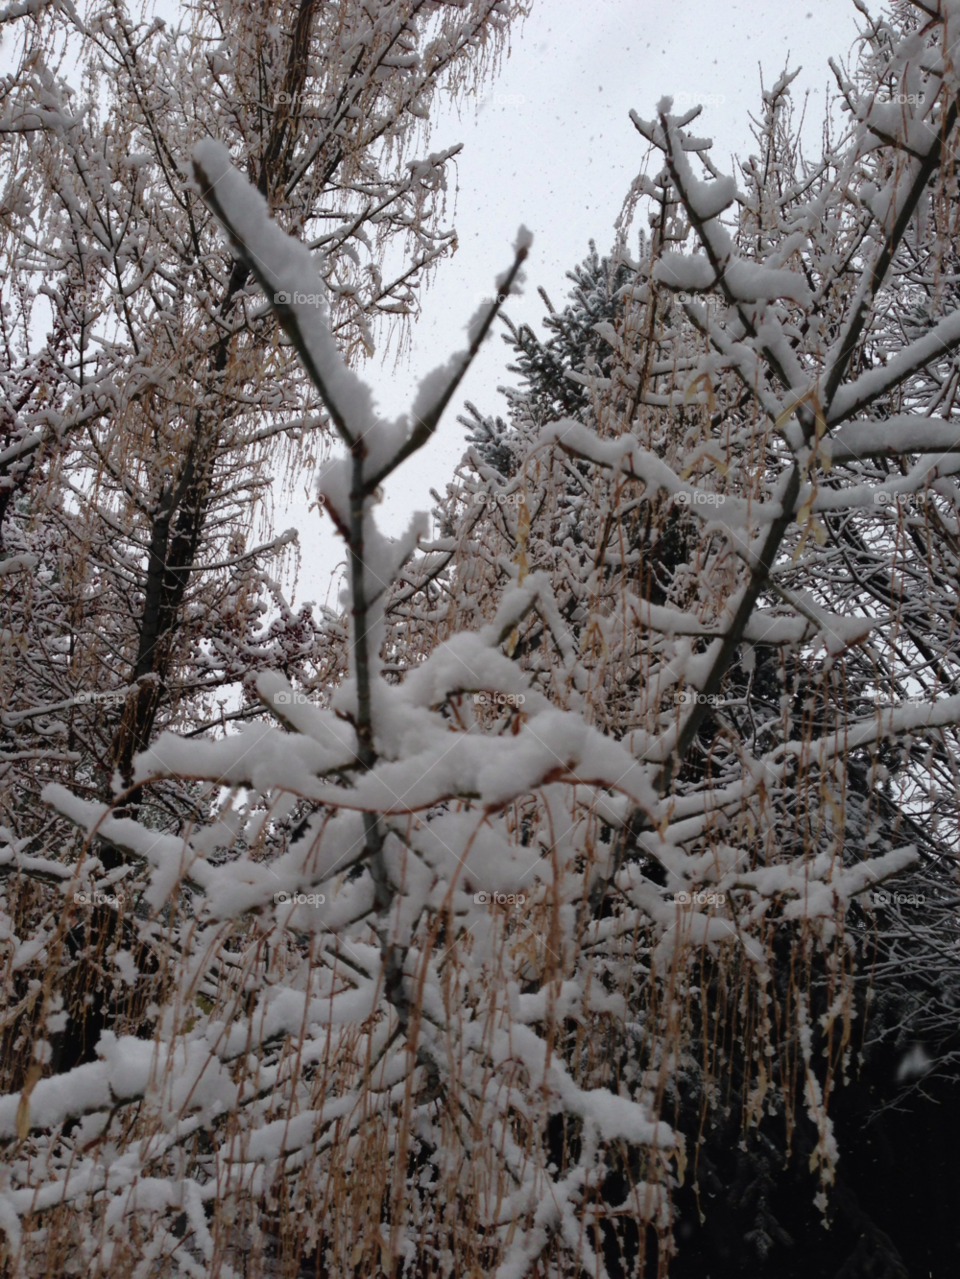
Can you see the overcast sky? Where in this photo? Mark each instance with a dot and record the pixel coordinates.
(553, 147)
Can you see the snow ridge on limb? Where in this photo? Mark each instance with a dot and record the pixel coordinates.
(285, 268)
(894, 436)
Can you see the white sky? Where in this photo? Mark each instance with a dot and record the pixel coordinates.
(558, 152)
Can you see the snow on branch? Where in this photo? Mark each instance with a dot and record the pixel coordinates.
(852, 398)
(893, 437)
(286, 271)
